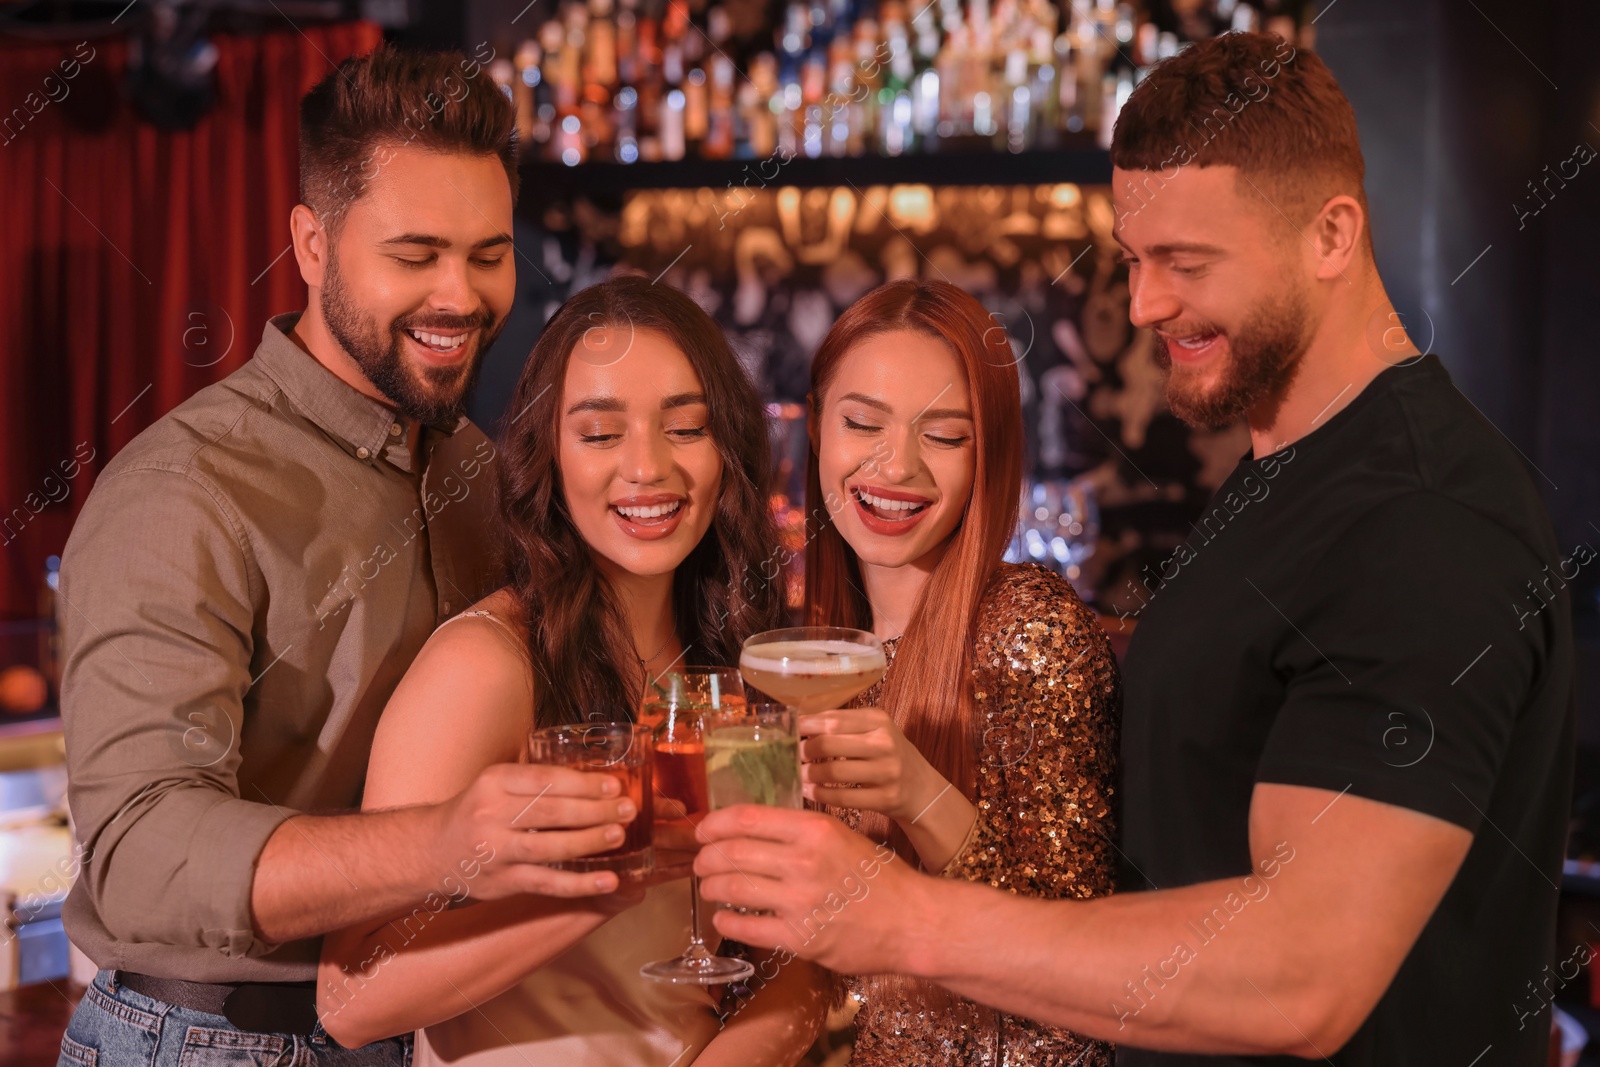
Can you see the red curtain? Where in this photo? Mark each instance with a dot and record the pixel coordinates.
(136, 264)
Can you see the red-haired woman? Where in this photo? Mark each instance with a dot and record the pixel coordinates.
(988, 750)
(633, 491)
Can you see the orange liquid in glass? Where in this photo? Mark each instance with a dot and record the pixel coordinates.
(680, 778)
(636, 784)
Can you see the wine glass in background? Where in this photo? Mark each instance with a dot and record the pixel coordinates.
(812, 668)
(1059, 527)
(675, 708)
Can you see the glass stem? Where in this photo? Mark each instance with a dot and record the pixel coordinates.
(694, 913)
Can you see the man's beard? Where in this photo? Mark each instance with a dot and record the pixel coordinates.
(1262, 359)
(432, 395)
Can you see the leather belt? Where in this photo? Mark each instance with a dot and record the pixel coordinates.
(259, 1007)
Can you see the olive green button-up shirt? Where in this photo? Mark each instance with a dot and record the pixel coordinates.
(246, 584)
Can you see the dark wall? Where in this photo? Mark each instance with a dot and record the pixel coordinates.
(1461, 107)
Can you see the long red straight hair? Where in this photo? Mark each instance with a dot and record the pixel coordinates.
(929, 687)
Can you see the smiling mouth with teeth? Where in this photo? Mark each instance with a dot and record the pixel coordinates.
(648, 514)
(438, 342)
(889, 510)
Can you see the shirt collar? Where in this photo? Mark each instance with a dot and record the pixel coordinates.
(364, 427)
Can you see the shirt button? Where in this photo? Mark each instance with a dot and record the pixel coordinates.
(395, 429)
(363, 452)
(446, 607)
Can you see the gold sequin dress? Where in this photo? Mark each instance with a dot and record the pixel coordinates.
(1048, 697)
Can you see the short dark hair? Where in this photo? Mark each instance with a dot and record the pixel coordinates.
(1251, 101)
(390, 98)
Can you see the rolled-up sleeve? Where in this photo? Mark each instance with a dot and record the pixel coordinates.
(158, 595)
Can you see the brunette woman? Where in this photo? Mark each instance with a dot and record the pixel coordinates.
(988, 750)
(632, 484)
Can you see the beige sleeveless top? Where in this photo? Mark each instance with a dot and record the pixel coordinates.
(589, 1006)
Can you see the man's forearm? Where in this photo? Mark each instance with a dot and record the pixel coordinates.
(1113, 968)
(324, 872)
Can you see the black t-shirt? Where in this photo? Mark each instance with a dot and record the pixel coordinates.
(1377, 608)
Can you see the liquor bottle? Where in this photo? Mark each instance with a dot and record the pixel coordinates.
(761, 105)
(600, 57)
(625, 100)
(1124, 26)
(794, 38)
(647, 110)
(896, 129)
(549, 94)
(719, 136)
(1046, 99)
(1113, 94)
(868, 76)
(504, 76)
(978, 73)
(813, 87)
(1146, 46)
(1018, 133)
(955, 116)
(599, 81)
(569, 64)
(1067, 104)
(840, 125)
(925, 88)
(628, 43)
(1091, 46)
(673, 101)
(523, 97)
(696, 87)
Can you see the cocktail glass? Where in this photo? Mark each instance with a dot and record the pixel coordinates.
(812, 668)
(675, 707)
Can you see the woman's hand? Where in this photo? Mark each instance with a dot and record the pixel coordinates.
(859, 758)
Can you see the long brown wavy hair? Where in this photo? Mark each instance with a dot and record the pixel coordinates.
(584, 663)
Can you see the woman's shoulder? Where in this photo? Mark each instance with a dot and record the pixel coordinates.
(500, 615)
(1030, 613)
(1019, 592)
(465, 702)
(486, 644)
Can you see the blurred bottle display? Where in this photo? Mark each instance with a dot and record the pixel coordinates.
(647, 80)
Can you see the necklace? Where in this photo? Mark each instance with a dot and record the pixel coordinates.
(645, 663)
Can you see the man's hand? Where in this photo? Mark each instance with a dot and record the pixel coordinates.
(528, 815)
(835, 897)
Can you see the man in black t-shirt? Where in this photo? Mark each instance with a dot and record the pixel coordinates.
(1347, 738)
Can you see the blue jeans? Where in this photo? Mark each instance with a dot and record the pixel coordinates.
(115, 1027)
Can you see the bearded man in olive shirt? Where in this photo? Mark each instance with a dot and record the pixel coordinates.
(253, 574)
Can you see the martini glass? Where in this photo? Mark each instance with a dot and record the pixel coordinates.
(675, 708)
(812, 668)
